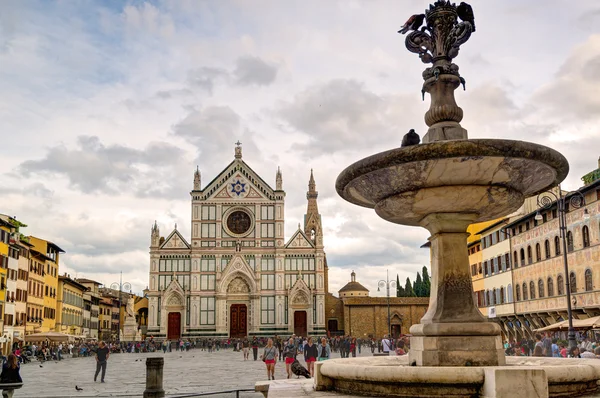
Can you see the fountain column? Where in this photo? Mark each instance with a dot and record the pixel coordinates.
(453, 332)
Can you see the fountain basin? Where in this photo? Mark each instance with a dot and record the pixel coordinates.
(392, 377)
(486, 177)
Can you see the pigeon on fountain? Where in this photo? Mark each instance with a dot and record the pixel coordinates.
(411, 138)
(413, 23)
(465, 13)
(299, 370)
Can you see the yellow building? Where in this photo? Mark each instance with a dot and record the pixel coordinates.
(35, 292)
(105, 319)
(69, 308)
(475, 260)
(50, 274)
(5, 232)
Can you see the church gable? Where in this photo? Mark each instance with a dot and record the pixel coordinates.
(174, 289)
(238, 181)
(237, 268)
(299, 240)
(175, 241)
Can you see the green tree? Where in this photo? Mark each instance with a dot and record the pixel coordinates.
(398, 287)
(418, 286)
(401, 292)
(408, 289)
(426, 283)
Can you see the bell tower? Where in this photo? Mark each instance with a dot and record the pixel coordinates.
(312, 218)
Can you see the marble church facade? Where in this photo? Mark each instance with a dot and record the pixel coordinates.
(237, 275)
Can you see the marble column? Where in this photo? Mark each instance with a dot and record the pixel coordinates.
(453, 332)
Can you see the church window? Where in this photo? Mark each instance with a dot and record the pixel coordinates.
(163, 281)
(209, 230)
(224, 262)
(184, 281)
(267, 282)
(267, 310)
(267, 230)
(251, 262)
(207, 282)
(267, 264)
(309, 279)
(209, 212)
(207, 311)
(290, 280)
(207, 265)
(267, 213)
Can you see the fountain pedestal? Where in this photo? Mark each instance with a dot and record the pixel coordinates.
(453, 332)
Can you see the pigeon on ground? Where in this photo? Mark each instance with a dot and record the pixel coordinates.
(78, 388)
(465, 13)
(299, 370)
(411, 138)
(41, 366)
(413, 23)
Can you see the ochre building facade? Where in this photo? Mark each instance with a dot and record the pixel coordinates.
(355, 313)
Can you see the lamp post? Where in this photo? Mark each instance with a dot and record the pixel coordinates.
(574, 200)
(120, 287)
(387, 283)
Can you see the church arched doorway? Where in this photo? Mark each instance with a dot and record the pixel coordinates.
(174, 326)
(238, 324)
(300, 328)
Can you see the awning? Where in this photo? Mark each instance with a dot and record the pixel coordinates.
(585, 324)
(51, 336)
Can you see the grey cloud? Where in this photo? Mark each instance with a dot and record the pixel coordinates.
(253, 70)
(113, 169)
(206, 77)
(344, 115)
(572, 96)
(214, 130)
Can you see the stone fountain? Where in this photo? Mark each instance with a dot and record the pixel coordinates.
(444, 184)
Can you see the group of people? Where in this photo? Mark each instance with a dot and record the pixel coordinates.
(545, 345)
(290, 349)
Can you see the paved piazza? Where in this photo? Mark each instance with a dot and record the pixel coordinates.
(184, 372)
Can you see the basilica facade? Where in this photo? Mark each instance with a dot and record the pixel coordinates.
(237, 275)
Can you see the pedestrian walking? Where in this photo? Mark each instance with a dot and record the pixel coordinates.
(102, 355)
(255, 347)
(386, 345)
(310, 355)
(10, 370)
(324, 351)
(289, 353)
(246, 348)
(269, 357)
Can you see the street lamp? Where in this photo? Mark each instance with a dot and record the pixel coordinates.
(120, 286)
(574, 200)
(387, 283)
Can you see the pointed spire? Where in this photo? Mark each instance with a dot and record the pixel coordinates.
(154, 235)
(175, 225)
(197, 179)
(278, 180)
(312, 218)
(238, 150)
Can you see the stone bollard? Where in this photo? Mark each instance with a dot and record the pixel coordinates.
(154, 378)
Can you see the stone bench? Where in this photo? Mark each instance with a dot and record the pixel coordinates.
(262, 387)
(8, 389)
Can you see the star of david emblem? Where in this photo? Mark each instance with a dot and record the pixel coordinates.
(238, 188)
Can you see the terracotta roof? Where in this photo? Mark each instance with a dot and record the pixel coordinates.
(353, 286)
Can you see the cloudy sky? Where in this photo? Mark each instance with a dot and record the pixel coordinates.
(107, 107)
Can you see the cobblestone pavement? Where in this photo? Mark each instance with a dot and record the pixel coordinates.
(184, 372)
